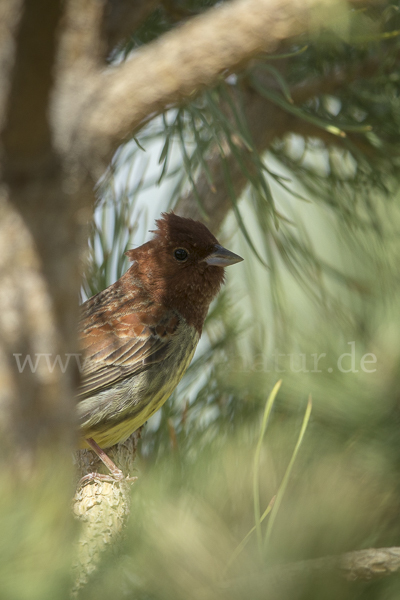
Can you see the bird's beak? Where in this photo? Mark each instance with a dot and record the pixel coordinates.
(221, 257)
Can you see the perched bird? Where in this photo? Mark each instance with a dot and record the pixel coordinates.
(139, 335)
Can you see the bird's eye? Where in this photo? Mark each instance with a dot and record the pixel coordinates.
(181, 254)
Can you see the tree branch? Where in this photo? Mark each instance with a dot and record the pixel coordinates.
(102, 507)
(42, 226)
(160, 74)
(361, 565)
(34, 402)
(267, 122)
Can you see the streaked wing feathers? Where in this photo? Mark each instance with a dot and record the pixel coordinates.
(123, 345)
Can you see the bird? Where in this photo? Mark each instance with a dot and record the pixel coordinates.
(139, 335)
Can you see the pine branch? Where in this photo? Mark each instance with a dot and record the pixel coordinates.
(268, 122)
(160, 75)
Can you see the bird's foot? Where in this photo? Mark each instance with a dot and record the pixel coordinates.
(116, 477)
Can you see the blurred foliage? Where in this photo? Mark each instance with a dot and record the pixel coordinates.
(37, 532)
(318, 225)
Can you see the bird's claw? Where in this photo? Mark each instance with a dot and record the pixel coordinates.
(116, 477)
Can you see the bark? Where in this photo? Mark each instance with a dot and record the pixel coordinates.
(102, 507)
(36, 213)
(33, 405)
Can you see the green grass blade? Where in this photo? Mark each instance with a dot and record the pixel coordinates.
(256, 483)
(285, 480)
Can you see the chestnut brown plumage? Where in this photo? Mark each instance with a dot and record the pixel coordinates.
(139, 335)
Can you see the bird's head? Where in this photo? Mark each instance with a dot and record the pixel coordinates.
(182, 266)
